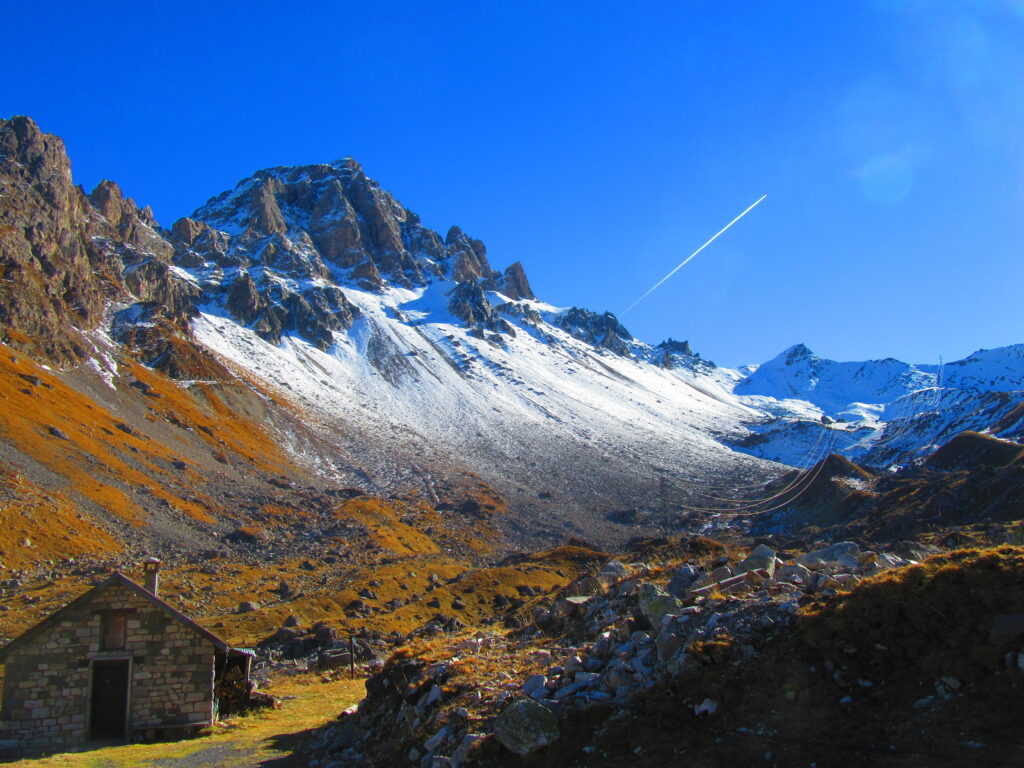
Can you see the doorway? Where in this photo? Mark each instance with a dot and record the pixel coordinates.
(108, 707)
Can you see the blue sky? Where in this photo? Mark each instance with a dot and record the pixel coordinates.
(601, 143)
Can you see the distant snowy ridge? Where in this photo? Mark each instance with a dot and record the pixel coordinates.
(885, 412)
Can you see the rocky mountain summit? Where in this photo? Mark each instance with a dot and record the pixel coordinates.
(279, 245)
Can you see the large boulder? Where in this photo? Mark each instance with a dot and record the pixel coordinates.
(525, 726)
(655, 603)
(831, 554)
(795, 574)
(613, 571)
(760, 558)
(682, 580)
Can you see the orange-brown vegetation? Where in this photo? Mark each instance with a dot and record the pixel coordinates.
(932, 618)
(101, 459)
(386, 528)
(39, 525)
(200, 407)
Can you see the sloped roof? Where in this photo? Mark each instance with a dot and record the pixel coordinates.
(115, 578)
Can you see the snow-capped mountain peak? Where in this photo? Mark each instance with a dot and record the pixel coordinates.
(884, 412)
(409, 359)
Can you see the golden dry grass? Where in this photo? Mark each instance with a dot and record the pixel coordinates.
(240, 741)
(99, 456)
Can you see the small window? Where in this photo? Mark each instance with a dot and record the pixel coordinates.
(114, 625)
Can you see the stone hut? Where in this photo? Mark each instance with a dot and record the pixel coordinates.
(118, 663)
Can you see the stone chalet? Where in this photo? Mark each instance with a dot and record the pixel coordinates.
(118, 663)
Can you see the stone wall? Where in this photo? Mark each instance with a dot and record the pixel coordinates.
(46, 685)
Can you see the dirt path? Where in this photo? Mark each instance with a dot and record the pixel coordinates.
(267, 740)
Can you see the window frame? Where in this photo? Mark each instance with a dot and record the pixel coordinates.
(108, 620)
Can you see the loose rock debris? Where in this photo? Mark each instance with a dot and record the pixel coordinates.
(708, 644)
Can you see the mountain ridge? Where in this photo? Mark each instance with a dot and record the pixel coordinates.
(314, 288)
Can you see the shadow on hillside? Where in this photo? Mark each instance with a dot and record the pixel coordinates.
(291, 743)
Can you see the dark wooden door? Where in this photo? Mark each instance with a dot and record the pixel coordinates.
(108, 710)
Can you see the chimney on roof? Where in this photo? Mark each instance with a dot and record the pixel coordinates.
(152, 570)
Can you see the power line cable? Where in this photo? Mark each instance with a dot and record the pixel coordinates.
(753, 506)
(753, 510)
(807, 462)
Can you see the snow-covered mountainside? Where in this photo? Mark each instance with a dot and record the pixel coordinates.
(371, 318)
(880, 413)
(317, 280)
(388, 358)
(323, 287)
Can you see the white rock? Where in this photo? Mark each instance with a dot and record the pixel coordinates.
(706, 707)
(533, 682)
(432, 696)
(436, 740)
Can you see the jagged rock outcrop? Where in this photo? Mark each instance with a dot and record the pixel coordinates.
(513, 283)
(603, 331)
(469, 258)
(64, 255)
(314, 314)
(673, 349)
(133, 226)
(521, 310)
(469, 303)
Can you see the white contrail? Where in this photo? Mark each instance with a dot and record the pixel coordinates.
(687, 259)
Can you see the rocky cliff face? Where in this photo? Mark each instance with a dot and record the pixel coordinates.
(65, 256)
(48, 259)
(274, 250)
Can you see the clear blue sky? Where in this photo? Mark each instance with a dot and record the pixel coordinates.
(600, 143)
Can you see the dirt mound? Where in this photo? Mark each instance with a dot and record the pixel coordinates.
(935, 618)
(971, 449)
(832, 493)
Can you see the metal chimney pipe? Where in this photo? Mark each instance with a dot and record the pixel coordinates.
(152, 571)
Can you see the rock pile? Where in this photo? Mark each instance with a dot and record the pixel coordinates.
(621, 631)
